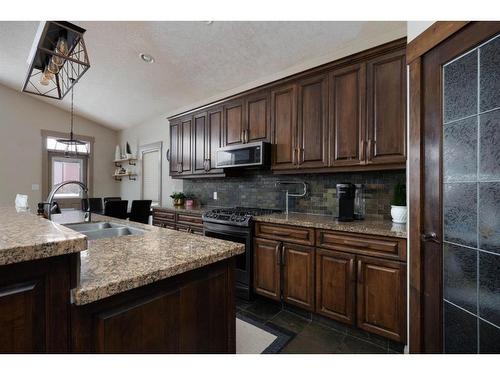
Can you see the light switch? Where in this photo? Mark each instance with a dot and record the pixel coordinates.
(35, 187)
(215, 195)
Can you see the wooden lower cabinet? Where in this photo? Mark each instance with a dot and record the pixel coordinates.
(298, 275)
(267, 273)
(381, 297)
(190, 222)
(336, 285)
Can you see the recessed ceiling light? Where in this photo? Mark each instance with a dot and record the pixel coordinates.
(209, 22)
(147, 58)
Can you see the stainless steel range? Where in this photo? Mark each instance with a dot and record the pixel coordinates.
(236, 224)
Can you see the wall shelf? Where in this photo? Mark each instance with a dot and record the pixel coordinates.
(119, 176)
(120, 162)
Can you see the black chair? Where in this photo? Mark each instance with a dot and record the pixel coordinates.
(95, 205)
(116, 209)
(107, 199)
(140, 211)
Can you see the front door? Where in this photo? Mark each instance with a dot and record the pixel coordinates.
(461, 192)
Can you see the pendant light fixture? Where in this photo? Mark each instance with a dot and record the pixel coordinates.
(71, 142)
(58, 59)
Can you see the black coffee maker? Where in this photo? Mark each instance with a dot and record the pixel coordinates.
(345, 197)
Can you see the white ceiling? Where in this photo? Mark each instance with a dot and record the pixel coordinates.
(196, 62)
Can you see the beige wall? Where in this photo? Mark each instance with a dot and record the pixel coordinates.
(154, 130)
(414, 28)
(21, 119)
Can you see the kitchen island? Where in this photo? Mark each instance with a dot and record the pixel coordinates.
(161, 291)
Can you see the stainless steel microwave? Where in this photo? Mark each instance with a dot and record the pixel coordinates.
(255, 154)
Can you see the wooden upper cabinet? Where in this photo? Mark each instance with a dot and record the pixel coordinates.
(258, 127)
(312, 113)
(200, 143)
(185, 145)
(214, 138)
(381, 297)
(347, 115)
(267, 275)
(298, 275)
(234, 122)
(173, 152)
(386, 109)
(284, 127)
(336, 285)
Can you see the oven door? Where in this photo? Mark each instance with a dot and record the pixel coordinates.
(243, 235)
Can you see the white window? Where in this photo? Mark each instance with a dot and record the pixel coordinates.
(67, 169)
(53, 145)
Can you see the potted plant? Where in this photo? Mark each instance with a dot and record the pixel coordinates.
(178, 198)
(399, 211)
(189, 200)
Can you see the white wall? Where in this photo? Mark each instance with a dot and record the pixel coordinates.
(151, 131)
(414, 28)
(21, 119)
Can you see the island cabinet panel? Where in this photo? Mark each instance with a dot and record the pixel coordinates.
(214, 139)
(312, 112)
(336, 285)
(258, 120)
(34, 305)
(189, 313)
(284, 127)
(267, 273)
(298, 275)
(234, 122)
(386, 114)
(381, 297)
(173, 154)
(200, 143)
(347, 115)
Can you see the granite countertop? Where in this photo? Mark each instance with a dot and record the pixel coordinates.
(113, 265)
(25, 236)
(373, 226)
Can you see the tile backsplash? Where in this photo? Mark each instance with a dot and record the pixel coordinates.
(257, 189)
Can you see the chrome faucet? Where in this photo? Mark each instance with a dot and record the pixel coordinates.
(288, 195)
(56, 188)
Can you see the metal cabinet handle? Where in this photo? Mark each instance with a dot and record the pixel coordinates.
(351, 270)
(278, 254)
(168, 155)
(302, 155)
(360, 272)
(362, 150)
(246, 135)
(208, 165)
(370, 143)
(430, 237)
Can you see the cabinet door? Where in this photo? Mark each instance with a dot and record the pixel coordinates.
(386, 115)
(347, 115)
(233, 122)
(257, 117)
(185, 148)
(298, 275)
(266, 265)
(200, 143)
(312, 122)
(381, 297)
(214, 139)
(284, 127)
(335, 285)
(173, 153)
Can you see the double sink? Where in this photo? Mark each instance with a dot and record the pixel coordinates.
(95, 231)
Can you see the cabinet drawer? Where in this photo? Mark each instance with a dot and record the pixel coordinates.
(298, 235)
(197, 230)
(165, 215)
(189, 219)
(164, 223)
(387, 247)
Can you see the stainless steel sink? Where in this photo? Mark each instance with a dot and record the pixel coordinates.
(95, 231)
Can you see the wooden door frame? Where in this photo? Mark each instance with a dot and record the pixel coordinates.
(434, 36)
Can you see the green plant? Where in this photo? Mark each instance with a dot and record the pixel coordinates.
(189, 196)
(399, 195)
(177, 195)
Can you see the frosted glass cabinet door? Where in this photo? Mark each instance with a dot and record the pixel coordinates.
(471, 200)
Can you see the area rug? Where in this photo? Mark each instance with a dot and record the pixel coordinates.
(253, 337)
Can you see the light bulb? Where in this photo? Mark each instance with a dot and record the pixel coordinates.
(44, 79)
(57, 60)
(47, 73)
(53, 67)
(62, 46)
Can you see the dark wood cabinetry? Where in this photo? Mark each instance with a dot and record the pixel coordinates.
(190, 222)
(214, 137)
(347, 115)
(267, 273)
(257, 120)
(386, 115)
(284, 127)
(173, 154)
(336, 285)
(298, 275)
(381, 297)
(234, 122)
(200, 137)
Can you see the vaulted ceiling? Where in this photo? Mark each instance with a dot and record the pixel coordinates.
(195, 62)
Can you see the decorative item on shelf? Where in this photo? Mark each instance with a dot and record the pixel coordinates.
(57, 60)
(117, 153)
(399, 211)
(189, 200)
(178, 198)
(128, 154)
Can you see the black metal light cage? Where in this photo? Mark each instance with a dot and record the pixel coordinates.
(75, 63)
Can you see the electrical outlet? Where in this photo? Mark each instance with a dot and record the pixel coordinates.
(215, 195)
(35, 187)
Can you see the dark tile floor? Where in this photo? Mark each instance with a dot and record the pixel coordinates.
(314, 334)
